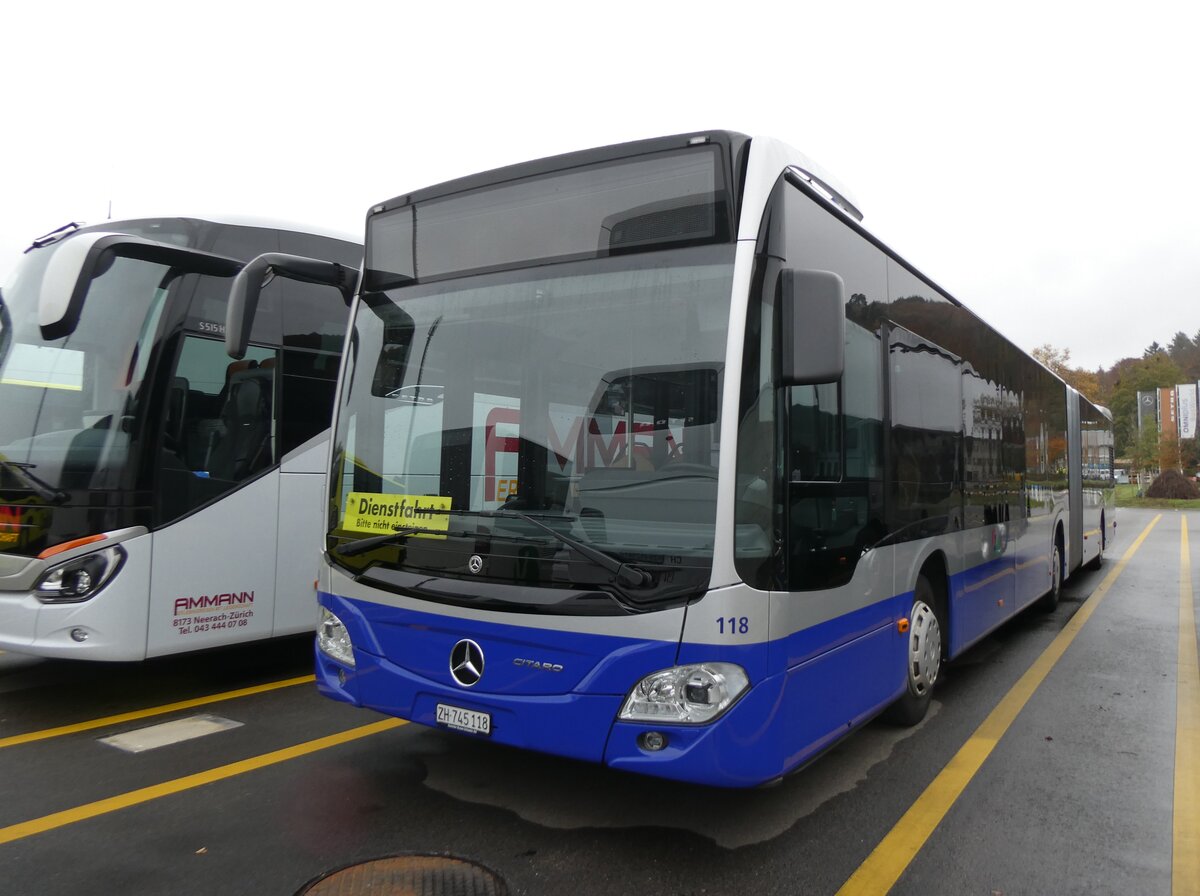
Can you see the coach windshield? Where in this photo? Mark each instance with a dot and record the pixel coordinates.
(70, 403)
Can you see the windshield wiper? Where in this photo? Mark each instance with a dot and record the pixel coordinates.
(37, 485)
(625, 573)
(367, 544)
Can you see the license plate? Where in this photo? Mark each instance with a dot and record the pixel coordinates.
(464, 719)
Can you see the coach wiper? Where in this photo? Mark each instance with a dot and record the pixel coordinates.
(37, 485)
(625, 573)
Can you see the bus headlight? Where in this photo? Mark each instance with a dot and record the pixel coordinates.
(333, 639)
(685, 694)
(79, 578)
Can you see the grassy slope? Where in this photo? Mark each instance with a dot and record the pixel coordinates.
(1127, 496)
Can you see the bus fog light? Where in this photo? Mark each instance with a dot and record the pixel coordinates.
(333, 639)
(652, 741)
(685, 694)
(79, 578)
(79, 634)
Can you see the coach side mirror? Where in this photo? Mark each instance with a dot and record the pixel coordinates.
(83, 258)
(813, 320)
(249, 283)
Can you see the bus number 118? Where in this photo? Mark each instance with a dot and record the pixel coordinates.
(733, 625)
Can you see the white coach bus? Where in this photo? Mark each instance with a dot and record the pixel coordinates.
(154, 496)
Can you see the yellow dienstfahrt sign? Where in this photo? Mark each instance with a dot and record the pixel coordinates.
(380, 514)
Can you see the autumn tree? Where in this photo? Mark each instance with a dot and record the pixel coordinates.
(1143, 452)
(1117, 387)
(1186, 353)
(1153, 371)
(1058, 360)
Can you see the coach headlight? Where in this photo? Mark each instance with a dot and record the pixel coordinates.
(79, 578)
(685, 694)
(333, 639)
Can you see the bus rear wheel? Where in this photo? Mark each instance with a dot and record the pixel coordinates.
(1098, 561)
(924, 657)
(1049, 600)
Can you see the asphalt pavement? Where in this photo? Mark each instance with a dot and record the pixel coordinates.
(1055, 760)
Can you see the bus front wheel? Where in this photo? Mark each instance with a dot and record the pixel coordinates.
(924, 659)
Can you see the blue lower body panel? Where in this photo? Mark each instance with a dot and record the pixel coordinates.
(572, 725)
(554, 691)
(402, 668)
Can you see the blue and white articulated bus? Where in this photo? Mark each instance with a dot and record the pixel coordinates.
(155, 497)
(651, 455)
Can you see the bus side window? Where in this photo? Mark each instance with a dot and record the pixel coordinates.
(306, 401)
(245, 443)
(219, 425)
(834, 463)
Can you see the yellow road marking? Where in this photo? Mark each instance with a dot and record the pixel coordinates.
(883, 867)
(178, 785)
(1185, 864)
(46, 733)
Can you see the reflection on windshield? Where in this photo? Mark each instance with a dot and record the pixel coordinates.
(587, 401)
(68, 403)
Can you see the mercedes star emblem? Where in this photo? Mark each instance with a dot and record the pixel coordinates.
(475, 564)
(466, 663)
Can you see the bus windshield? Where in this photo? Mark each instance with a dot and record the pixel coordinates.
(584, 396)
(69, 403)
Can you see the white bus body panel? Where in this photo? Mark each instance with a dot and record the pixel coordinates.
(302, 503)
(114, 621)
(213, 575)
(18, 608)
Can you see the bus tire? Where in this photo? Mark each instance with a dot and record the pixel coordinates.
(924, 657)
(1098, 561)
(1049, 600)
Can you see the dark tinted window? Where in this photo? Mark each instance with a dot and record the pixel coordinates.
(834, 463)
(1045, 439)
(1097, 444)
(925, 383)
(309, 380)
(309, 320)
(655, 201)
(994, 396)
(315, 316)
(219, 426)
(206, 313)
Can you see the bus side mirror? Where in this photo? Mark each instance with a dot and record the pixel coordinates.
(83, 258)
(813, 319)
(248, 286)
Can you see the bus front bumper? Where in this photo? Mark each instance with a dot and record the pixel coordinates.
(739, 749)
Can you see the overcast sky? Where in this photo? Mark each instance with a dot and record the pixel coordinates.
(1041, 161)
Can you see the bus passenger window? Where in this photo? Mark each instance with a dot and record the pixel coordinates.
(219, 426)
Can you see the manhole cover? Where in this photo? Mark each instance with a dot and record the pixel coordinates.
(409, 876)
